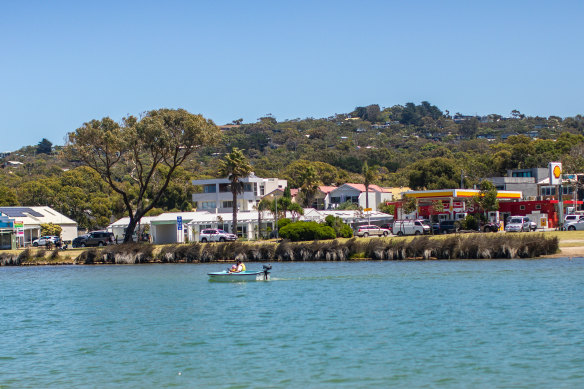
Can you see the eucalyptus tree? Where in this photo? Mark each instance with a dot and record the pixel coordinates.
(138, 158)
(235, 167)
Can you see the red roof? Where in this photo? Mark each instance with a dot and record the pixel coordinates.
(361, 188)
(326, 189)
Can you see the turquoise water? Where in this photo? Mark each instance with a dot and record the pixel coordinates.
(455, 324)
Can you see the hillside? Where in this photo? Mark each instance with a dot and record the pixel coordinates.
(412, 145)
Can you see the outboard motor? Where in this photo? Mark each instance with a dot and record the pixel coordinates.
(266, 271)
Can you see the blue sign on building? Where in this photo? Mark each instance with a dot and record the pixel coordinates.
(179, 223)
(6, 222)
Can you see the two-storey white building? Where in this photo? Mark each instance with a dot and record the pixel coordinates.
(216, 196)
(355, 193)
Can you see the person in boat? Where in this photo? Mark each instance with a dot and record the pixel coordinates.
(239, 267)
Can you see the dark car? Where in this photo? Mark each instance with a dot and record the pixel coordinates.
(490, 227)
(448, 226)
(94, 238)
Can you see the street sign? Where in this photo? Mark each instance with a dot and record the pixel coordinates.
(179, 223)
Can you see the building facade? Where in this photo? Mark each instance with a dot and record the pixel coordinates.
(216, 196)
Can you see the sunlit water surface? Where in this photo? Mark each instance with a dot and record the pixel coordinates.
(452, 324)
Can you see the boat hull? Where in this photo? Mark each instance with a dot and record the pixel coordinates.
(225, 276)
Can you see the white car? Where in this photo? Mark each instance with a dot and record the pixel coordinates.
(216, 235)
(577, 225)
(520, 223)
(371, 230)
(42, 241)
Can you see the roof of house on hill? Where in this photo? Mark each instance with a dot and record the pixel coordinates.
(361, 188)
(326, 189)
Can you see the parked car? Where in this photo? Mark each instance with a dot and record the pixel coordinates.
(489, 227)
(216, 235)
(94, 238)
(410, 227)
(371, 230)
(573, 218)
(520, 223)
(43, 240)
(448, 226)
(577, 225)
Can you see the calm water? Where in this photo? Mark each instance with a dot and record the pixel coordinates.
(479, 324)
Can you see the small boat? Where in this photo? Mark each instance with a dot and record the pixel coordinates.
(247, 275)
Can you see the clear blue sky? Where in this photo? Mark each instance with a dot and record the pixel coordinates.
(63, 63)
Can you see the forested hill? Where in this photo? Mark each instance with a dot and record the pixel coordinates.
(411, 145)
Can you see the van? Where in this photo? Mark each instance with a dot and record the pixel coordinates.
(410, 227)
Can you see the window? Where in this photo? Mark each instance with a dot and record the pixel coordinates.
(223, 188)
(521, 174)
(208, 205)
(247, 187)
(262, 190)
(335, 200)
(522, 207)
(227, 204)
(210, 188)
(548, 190)
(353, 199)
(538, 206)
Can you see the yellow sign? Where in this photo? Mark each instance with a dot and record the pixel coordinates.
(368, 209)
(557, 171)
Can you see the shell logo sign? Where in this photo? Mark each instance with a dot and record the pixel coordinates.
(555, 169)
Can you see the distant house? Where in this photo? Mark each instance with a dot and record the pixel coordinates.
(355, 193)
(32, 217)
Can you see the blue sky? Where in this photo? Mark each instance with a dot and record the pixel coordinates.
(64, 63)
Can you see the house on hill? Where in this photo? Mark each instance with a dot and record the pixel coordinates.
(356, 194)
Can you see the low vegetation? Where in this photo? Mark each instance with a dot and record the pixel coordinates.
(459, 246)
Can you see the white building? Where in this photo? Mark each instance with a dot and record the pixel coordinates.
(356, 194)
(216, 195)
(32, 217)
(164, 229)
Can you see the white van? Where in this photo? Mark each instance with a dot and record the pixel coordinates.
(410, 227)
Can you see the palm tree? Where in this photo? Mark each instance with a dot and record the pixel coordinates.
(264, 205)
(235, 167)
(368, 177)
(309, 186)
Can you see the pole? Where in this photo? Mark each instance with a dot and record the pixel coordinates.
(276, 226)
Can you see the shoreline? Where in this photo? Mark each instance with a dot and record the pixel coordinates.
(443, 247)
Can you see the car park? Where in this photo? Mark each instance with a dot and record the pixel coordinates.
(371, 230)
(520, 223)
(94, 238)
(44, 240)
(216, 235)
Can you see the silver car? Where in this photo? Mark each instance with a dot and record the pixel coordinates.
(574, 225)
(371, 230)
(520, 223)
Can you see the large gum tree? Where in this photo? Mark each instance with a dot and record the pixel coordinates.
(139, 157)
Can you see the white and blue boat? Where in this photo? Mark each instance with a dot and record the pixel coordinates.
(247, 275)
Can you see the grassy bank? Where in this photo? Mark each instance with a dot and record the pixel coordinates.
(459, 246)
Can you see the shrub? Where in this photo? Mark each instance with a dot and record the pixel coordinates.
(283, 222)
(470, 223)
(307, 231)
(342, 230)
